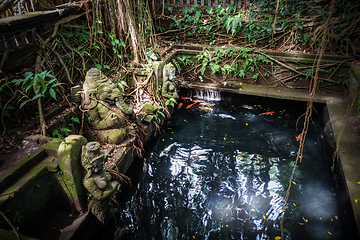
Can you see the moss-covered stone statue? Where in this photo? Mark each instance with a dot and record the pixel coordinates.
(106, 107)
(168, 85)
(98, 181)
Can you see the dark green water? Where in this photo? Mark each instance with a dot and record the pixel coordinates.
(213, 176)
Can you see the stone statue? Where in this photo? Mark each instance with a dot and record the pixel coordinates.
(169, 87)
(98, 181)
(106, 108)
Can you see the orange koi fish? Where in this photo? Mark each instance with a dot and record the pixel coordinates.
(189, 106)
(299, 137)
(198, 101)
(267, 113)
(180, 105)
(185, 98)
(205, 108)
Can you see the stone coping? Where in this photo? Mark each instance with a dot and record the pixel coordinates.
(344, 132)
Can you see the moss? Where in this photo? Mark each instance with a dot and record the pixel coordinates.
(115, 136)
(149, 109)
(70, 165)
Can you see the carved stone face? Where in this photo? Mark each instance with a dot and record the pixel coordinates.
(109, 93)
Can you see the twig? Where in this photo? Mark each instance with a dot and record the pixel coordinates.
(11, 224)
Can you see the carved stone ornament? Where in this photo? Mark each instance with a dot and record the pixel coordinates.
(105, 106)
(168, 85)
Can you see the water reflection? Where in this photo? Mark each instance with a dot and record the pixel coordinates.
(226, 177)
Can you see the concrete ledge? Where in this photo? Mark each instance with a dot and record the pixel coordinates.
(263, 91)
(349, 152)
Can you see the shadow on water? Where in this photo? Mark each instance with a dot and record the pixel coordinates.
(222, 172)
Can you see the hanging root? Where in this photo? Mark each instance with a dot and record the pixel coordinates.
(119, 177)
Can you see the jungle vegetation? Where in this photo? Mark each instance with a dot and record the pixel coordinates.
(120, 37)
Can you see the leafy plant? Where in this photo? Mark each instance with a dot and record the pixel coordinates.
(343, 80)
(170, 101)
(17, 219)
(233, 24)
(99, 67)
(121, 84)
(116, 44)
(76, 119)
(39, 85)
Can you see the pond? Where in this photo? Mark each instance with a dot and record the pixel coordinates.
(221, 169)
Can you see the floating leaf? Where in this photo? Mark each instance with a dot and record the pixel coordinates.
(294, 182)
(277, 238)
(356, 201)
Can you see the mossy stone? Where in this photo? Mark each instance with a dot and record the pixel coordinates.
(149, 109)
(70, 165)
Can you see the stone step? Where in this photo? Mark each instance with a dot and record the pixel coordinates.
(17, 184)
(43, 158)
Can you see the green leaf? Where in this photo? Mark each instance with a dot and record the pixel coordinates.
(98, 66)
(56, 84)
(41, 80)
(162, 114)
(43, 90)
(4, 85)
(36, 97)
(122, 44)
(35, 82)
(22, 104)
(52, 93)
(75, 120)
(106, 67)
(214, 67)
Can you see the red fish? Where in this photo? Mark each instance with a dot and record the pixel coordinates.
(180, 105)
(299, 137)
(189, 106)
(198, 101)
(267, 113)
(185, 98)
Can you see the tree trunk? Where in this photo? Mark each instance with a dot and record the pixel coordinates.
(38, 69)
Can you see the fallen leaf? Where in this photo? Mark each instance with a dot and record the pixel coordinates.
(356, 201)
(277, 238)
